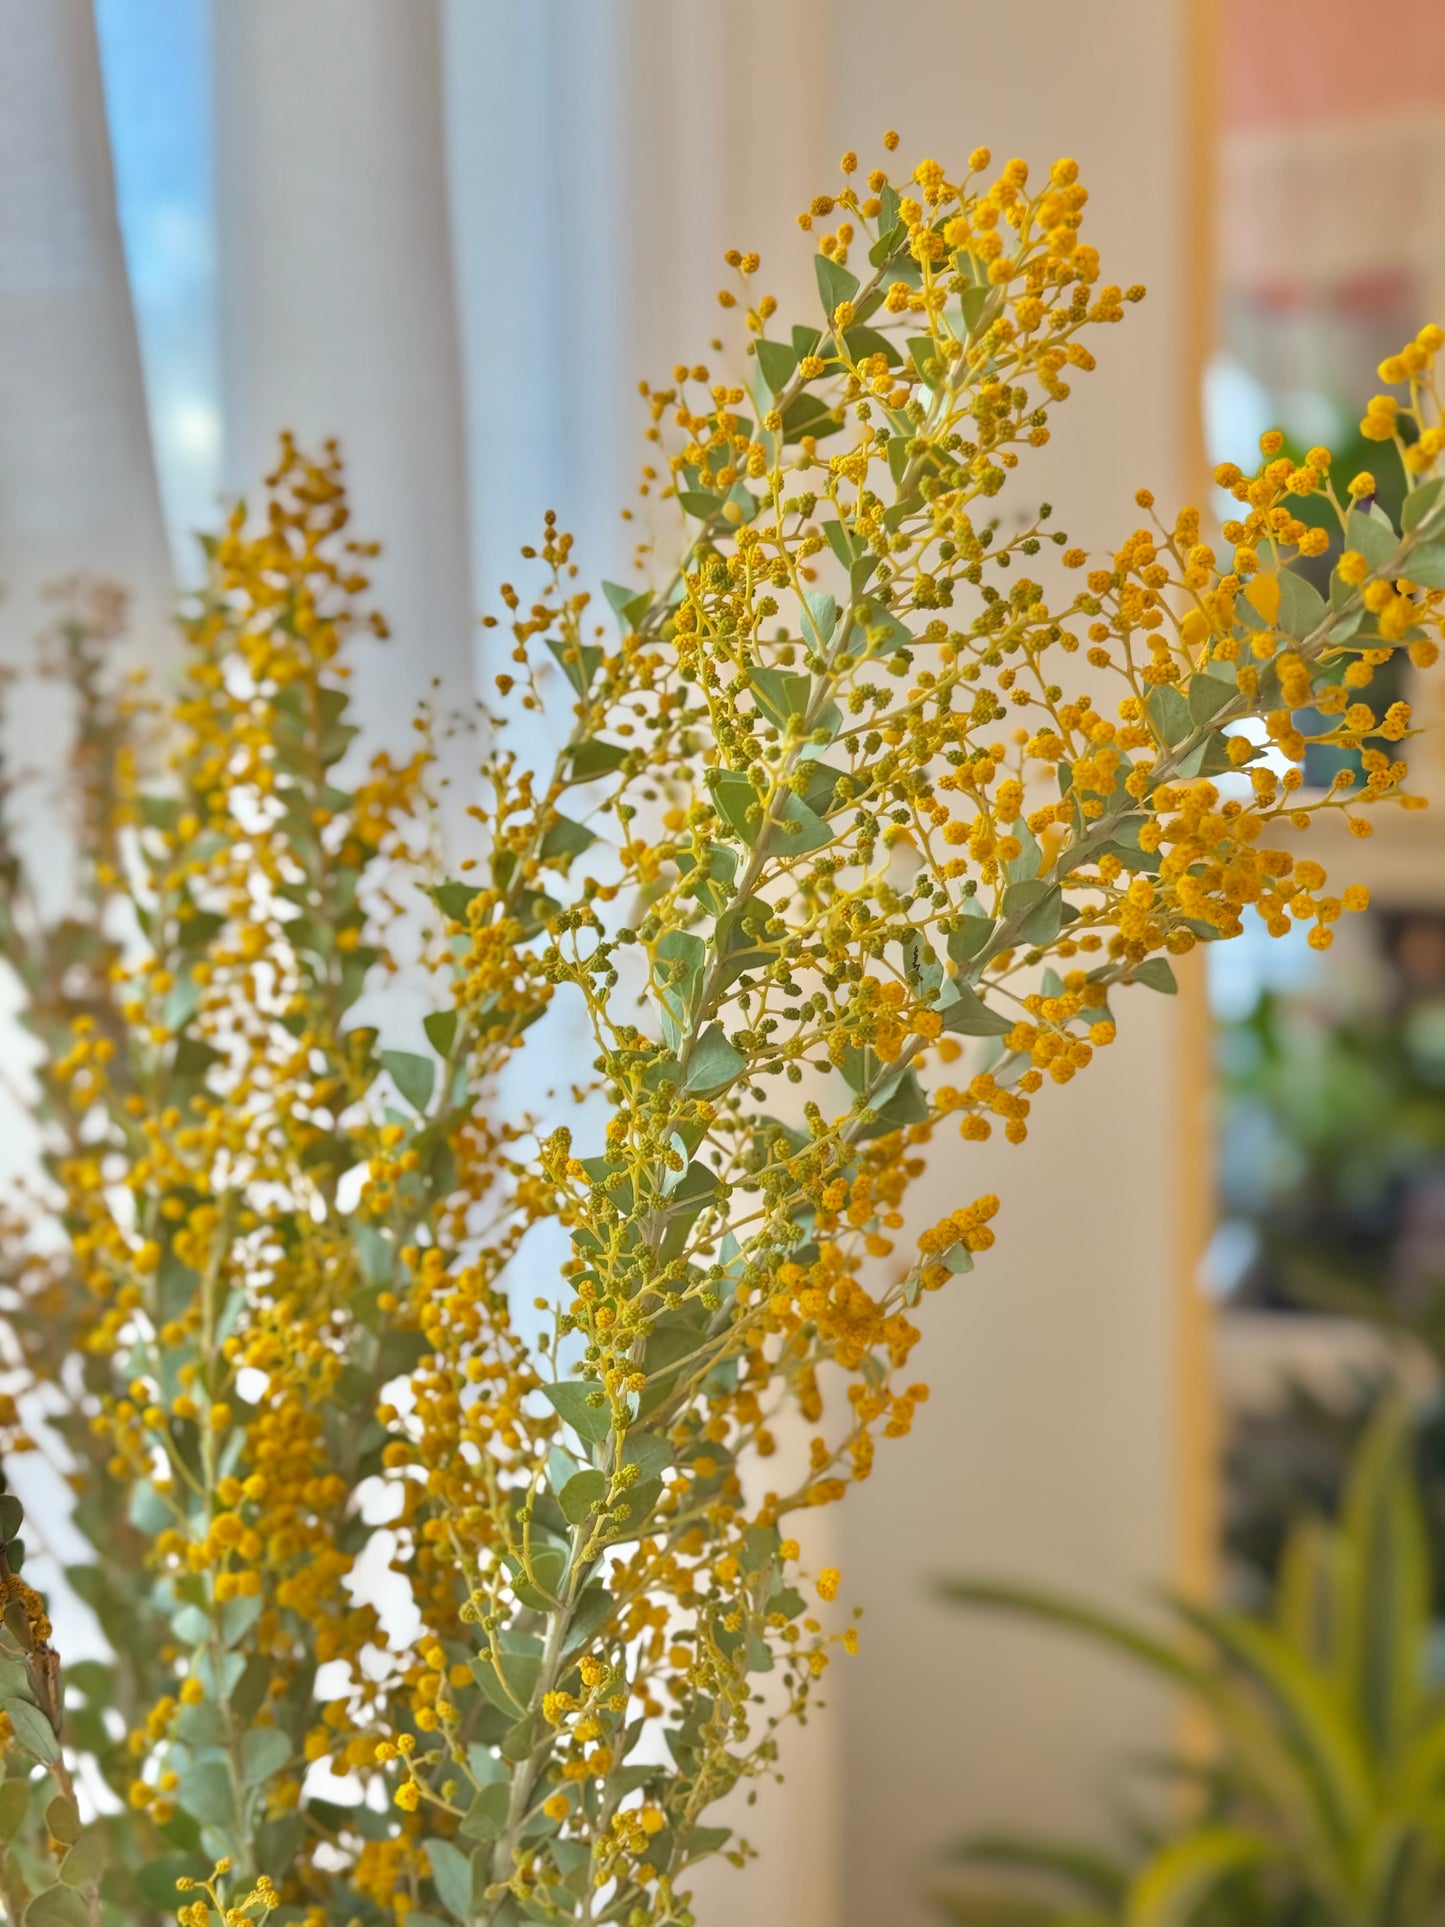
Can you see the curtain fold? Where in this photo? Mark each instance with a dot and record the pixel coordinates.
(77, 482)
(602, 160)
(337, 308)
(78, 495)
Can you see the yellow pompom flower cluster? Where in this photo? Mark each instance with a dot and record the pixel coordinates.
(868, 799)
(1413, 425)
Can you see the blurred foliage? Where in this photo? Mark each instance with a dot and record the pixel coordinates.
(1323, 1801)
(1335, 1116)
(1332, 1123)
(1294, 1462)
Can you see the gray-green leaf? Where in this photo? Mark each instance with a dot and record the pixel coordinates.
(238, 1616)
(780, 693)
(1368, 531)
(582, 1495)
(205, 1793)
(57, 1907)
(968, 936)
(451, 1872)
(1301, 606)
(487, 1817)
(835, 284)
(264, 1751)
(570, 1399)
(566, 839)
(1035, 908)
(1023, 868)
(714, 1063)
(797, 829)
(452, 899)
(970, 1016)
(777, 361)
(1207, 695)
(736, 801)
(413, 1076)
(1170, 714)
(32, 1730)
(1420, 502)
(192, 1625)
(85, 1862)
(820, 618)
(440, 1028)
(14, 1804)
(1427, 566)
(63, 1820)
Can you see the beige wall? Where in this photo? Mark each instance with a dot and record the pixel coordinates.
(1050, 1447)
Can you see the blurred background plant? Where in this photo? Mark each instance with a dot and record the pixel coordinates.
(1318, 1799)
(1327, 1262)
(1332, 1198)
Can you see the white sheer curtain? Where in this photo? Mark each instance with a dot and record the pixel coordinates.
(602, 161)
(597, 161)
(337, 308)
(77, 482)
(77, 494)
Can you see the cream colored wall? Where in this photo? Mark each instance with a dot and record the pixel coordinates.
(1051, 1447)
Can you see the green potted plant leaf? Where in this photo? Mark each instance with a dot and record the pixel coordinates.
(1322, 1799)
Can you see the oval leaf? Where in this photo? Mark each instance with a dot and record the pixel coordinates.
(1158, 974)
(1301, 606)
(413, 1076)
(57, 1907)
(777, 361)
(714, 1063)
(85, 1862)
(32, 1730)
(582, 1495)
(1420, 502)
(205, 1793)
(63, 1821)
(451, 1872)
(835, 284)
(570, 1399)
(264, 1751)
(970, 1016)
(14, 1804)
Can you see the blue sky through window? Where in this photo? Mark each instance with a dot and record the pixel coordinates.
(155, 58)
